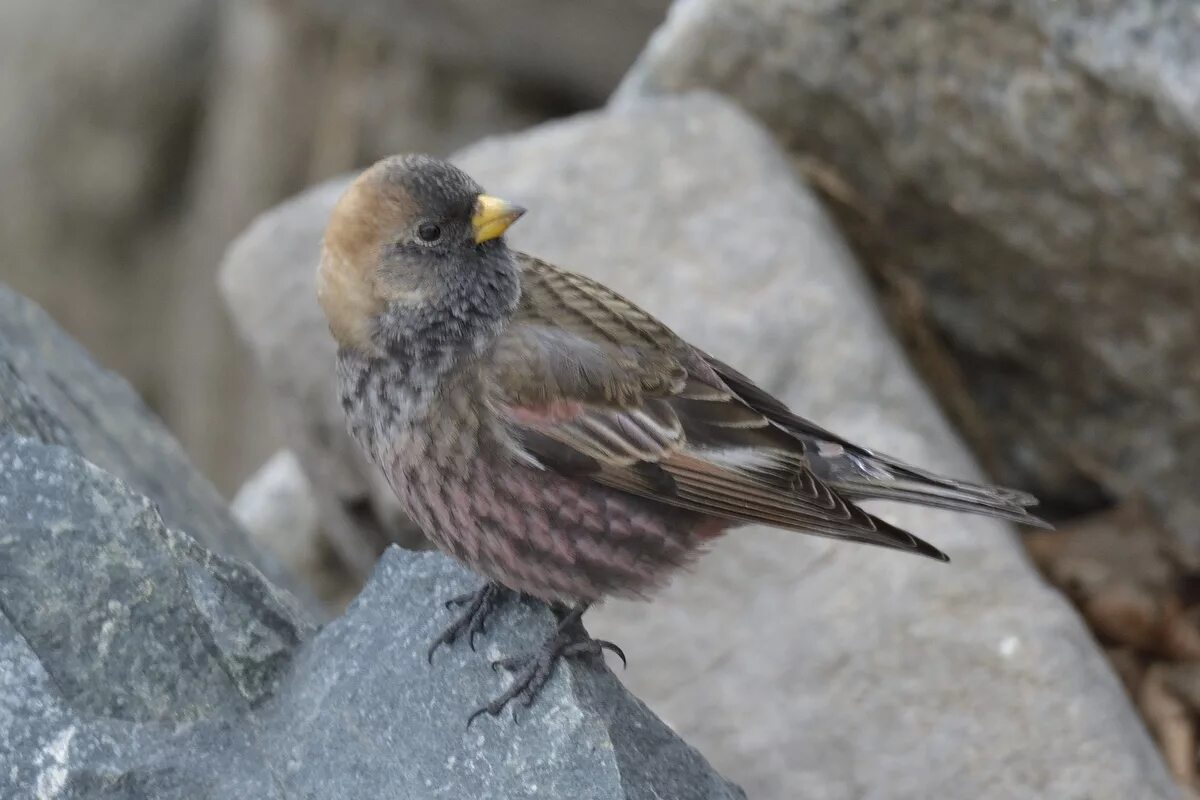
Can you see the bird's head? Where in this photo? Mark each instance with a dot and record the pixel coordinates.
(412, 231)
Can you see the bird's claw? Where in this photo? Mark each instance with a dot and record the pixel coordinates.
(532, 674)
(473, 621)
(590, 647)
(534, 670)
(459, 600)
(603, 644)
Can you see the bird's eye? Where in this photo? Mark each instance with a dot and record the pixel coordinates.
(429, 233)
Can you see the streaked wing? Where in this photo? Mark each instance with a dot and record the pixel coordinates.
(593, 386)
(862, 474)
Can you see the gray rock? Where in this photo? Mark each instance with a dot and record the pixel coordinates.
(801, 667)
(129, 619)
(52, 390)
(1032, 167)
(127, 651)
(277, 508)
(134, 664)
(585, 737)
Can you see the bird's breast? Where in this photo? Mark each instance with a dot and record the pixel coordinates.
(401, 420)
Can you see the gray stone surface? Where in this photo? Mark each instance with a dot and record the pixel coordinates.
(1032, 166)
(801, 667)
(129, 619)
(52, 390)
(278, 509)
(136, 664)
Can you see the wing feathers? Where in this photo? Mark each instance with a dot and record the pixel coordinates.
(622, 437)
(593, 386)
(864, 474)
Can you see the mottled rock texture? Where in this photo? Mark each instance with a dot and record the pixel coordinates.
(52, 390)
(136, 664)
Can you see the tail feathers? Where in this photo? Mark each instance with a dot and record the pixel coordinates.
(991, 507)
(888, 535)
(860, 472)
(868, 529)
(883, 478)
(983, 491)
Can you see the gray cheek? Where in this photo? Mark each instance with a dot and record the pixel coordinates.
(408, 268)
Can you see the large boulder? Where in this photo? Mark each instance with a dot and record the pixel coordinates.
(802, 667)
(134, 663)
(52, 390)
(1026, 173)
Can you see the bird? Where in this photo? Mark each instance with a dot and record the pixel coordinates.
(555, 438)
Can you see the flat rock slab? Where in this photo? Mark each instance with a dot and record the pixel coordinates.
(136, 664)
(802, 668)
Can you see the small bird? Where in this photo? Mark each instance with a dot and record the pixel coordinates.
(554, 437)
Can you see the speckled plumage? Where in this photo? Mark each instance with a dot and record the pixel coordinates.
(452, 463)
(550, 434)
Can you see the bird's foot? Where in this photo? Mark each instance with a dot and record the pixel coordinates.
(533, 670)
(477, 607)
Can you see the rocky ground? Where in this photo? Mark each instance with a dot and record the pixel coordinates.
(52, 391)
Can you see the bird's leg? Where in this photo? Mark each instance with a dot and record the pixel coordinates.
(479, 605)
(532, 670)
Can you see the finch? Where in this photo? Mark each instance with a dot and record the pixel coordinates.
(554, 437)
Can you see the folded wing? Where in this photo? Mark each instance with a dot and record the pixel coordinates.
(594, 387)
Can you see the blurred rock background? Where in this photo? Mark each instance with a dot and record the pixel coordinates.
(137, 138)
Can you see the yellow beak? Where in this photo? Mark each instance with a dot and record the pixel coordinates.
(492, 217)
